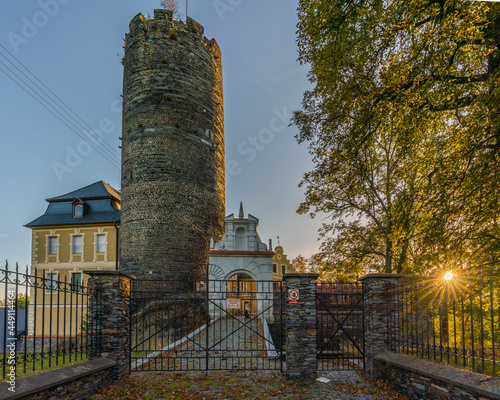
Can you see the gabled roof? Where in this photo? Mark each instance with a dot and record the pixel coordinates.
(102, 203)
(97, 190)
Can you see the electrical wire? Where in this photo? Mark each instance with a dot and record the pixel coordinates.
(98, 149)
(73, 121)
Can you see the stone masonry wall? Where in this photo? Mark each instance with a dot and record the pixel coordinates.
(109, 319)
(421, 379)
(173, 184)
(79, 381)
(300, 322)
(378, 305)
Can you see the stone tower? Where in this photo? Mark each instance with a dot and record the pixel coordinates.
(173, 185)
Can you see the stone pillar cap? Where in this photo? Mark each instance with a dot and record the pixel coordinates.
(109, 273)
(381, 276)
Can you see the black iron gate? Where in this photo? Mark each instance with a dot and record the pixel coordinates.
(234, 324)
(340, 326)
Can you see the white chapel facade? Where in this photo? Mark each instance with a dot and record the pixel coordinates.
(241, 251)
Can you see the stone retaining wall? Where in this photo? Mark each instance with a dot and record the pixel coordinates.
(421, 379)
(77, 381)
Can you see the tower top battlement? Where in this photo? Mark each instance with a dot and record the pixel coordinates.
(163, 23)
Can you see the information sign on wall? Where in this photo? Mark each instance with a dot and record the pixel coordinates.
(233, 304)
(293, 296)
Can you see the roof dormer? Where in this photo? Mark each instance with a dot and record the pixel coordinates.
(78, 208)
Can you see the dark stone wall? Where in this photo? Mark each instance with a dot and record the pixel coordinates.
(379, 299)
(79, 381)
(173, 185)
(421, 379)
(109, 319)
(300, 322)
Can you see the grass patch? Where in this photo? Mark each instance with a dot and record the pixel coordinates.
(172, 34)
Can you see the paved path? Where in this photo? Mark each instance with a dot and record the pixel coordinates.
(234, 344)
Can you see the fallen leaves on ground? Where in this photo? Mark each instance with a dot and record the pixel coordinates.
(240, 386)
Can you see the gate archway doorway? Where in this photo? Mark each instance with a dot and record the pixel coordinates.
(241, 295)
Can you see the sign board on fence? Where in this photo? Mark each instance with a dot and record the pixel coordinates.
(293, 296)
(233, 304)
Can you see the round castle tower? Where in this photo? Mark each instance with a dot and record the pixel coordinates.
(173, 185)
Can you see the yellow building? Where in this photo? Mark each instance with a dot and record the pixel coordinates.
(281, 264)
(78, 232)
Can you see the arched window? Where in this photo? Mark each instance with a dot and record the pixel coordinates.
(78, 211)
(241, 239)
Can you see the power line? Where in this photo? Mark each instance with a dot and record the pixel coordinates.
(62, 102)
(111, 149)
(109, 153)
(61, 116)
(98, 149)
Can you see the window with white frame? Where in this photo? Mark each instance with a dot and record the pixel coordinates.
(51, 281)
(52, 245)
(76, 281)
(100, 244)
(78, 211)
(77, 244)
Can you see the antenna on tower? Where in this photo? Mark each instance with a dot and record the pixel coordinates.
(186, 10)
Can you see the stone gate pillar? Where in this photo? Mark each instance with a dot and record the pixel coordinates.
(300, 322)
(109, 318)
(380, 305)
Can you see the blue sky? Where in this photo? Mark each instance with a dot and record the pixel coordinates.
(74, 48)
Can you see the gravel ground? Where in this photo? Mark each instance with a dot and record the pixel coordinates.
(345, 385)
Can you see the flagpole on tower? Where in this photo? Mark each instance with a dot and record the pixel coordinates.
(186, 11)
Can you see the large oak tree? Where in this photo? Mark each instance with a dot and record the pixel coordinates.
(404, 127)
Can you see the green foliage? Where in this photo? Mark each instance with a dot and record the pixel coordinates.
(453, 322)
(172, 34)
(23, 301)
(164, 61)
(404, 129)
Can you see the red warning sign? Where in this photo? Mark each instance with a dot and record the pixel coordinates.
(293, 296)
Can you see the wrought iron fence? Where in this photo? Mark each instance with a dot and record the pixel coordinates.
(452, 319)
(217, 325)
(43, 321)
(340, 326)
